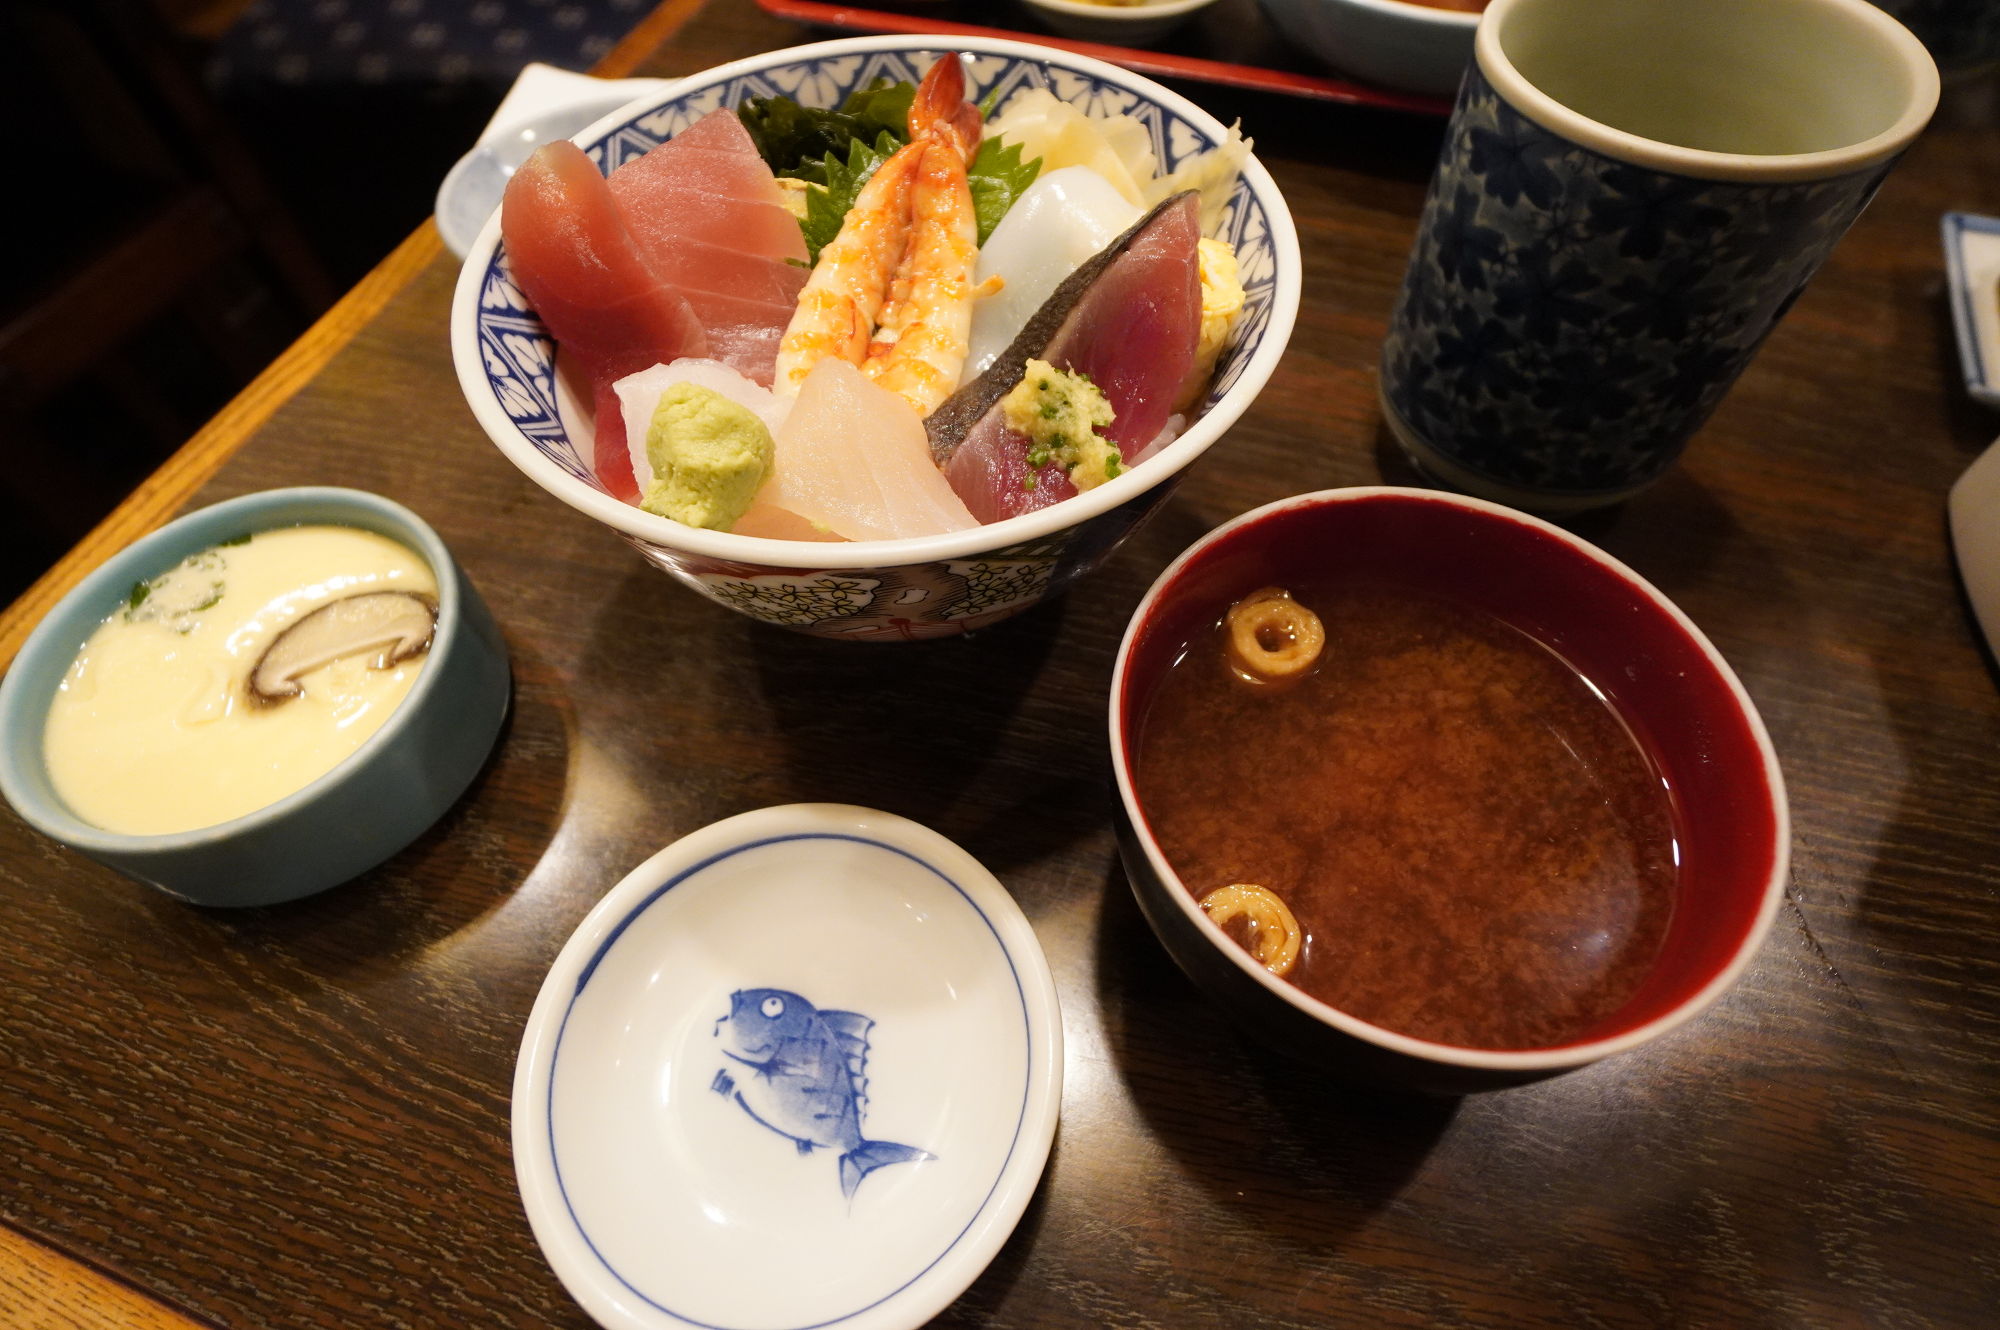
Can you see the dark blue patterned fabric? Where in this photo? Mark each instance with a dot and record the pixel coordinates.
(1568, 320)
(365, 42)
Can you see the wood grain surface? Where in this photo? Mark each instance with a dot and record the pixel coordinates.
(43, 1290)
(298, 1116)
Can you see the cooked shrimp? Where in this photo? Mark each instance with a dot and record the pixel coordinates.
(837, 307)
(893, 291)
(925, 328)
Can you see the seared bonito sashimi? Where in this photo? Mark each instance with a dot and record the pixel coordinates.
(693, 257)
(713, 222)
(1128, 320)
(575, 259)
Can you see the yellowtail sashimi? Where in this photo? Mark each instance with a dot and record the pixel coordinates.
(853, 458)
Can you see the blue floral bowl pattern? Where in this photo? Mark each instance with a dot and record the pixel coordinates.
(1568, 320)
(507, 366)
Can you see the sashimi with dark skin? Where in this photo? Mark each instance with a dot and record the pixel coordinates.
(1129, 318)
(574, 258)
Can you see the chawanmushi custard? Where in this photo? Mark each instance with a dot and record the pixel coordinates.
(1413, 811)
(238, 676)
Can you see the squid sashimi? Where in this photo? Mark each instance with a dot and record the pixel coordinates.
(1063, 220)
(853, 458)
(712, 221)
(1129, 319)
(573, 256)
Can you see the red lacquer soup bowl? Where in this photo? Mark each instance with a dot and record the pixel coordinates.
(1692, 723)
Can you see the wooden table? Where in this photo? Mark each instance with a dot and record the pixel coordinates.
(299, 1116)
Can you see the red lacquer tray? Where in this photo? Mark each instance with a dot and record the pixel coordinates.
(1242, 49)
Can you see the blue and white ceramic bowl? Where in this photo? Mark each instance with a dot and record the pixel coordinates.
(897, 589)
(801, 1068)
(374, 802)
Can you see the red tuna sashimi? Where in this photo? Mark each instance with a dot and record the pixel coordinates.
(1129, 319)
(712, 220)
(574, 259)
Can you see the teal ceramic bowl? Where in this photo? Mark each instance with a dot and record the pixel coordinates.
(372, 804)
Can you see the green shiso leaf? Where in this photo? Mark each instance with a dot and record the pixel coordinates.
(882, 108)
(842, 179)
(998, 177)
(839, 150)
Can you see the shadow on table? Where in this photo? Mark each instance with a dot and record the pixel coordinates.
(468, 862)
(1672, 533)
(944, 732)
(1244, 1122)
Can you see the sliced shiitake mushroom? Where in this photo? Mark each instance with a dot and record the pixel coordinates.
(394, 625)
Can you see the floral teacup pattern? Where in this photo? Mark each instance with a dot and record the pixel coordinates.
(1568, 320)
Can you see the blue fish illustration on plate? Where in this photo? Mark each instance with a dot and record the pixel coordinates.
(806, 1078)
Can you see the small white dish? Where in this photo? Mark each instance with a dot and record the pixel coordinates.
(1122, 25)
(688, 1142)
(471, 190)
(1972, 267)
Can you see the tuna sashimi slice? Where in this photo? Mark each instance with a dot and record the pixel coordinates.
(1129, 318)
(612, 313)
(854, 459)
(712, 221)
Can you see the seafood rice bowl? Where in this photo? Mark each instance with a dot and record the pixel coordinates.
(875, 338)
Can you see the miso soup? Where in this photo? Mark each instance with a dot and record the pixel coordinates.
(1475, 847)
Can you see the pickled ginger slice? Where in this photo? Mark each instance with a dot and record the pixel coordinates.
(1129, 318)
(1057, 224)
(853, 458)
(610, 311)
(639, 397)
(1117, 147)
(713, 222)
(1212, 174)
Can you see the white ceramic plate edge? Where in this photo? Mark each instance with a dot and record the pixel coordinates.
(1972, 267)
(598, 1289)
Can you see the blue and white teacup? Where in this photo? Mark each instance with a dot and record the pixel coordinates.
(1630, 195)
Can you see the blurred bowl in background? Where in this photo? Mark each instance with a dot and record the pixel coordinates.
(1397, 43)
(1120, 25)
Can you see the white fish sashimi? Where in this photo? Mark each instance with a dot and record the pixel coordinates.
(853, 458)
(639, 396)
(1059, 221)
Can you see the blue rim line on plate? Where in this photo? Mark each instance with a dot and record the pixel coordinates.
(590, 968)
